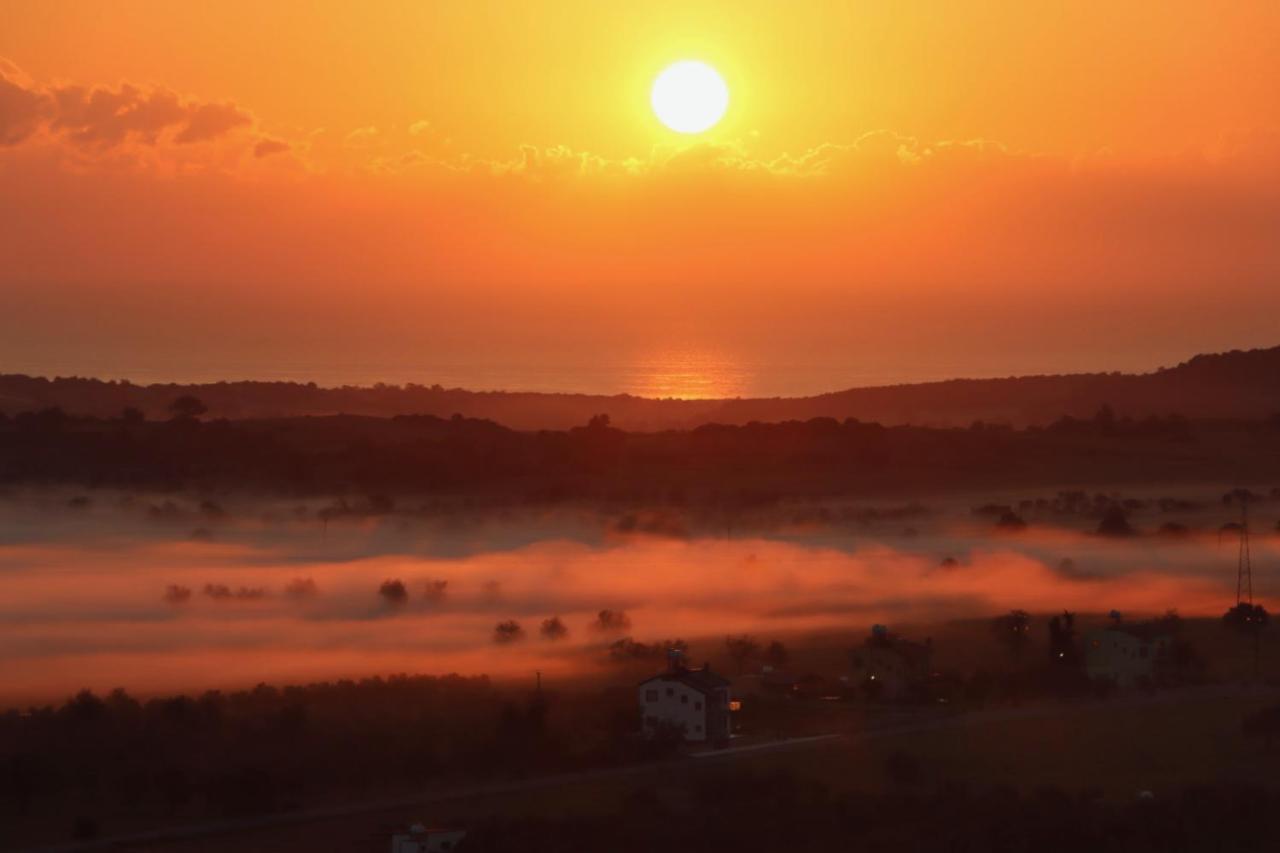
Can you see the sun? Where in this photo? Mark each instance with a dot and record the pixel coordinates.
(689, 96)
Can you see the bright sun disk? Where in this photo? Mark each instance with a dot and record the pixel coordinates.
(689, 96)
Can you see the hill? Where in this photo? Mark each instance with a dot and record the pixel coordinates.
(1237, 384)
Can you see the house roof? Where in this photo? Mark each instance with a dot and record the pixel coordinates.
(703, 680)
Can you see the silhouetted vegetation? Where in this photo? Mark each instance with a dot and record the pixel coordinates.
(1224, 385)
(1115, 523)
(393, 592)
(267, 749)
(187, 406)
(611, 621)
(1013, 631)
(734, 469)
(508, 631)
(628, 650)
(742, 650)
(553, 628)
(1246, 617)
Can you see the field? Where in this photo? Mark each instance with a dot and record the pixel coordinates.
(1116, 748)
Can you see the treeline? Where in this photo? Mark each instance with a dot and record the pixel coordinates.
(714, 463)
(1223, 385)
(96, 758)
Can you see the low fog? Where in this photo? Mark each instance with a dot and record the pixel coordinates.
(181, 592)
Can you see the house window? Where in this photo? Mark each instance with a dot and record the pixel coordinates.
(671, 691)
(697, 728)
(651, 696)
(697, 706)
(684, 699)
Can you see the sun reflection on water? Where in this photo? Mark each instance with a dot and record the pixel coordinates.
(690, 374)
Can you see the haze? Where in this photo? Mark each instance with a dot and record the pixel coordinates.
(274, 595)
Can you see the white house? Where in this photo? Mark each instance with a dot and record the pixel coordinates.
(419, 839)
(1123, 656)
(695, 701)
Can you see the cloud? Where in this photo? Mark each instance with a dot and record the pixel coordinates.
(361, 137)
(267, 146)
(22, 110)
(209, 121)
(880, 153)
(102, 117)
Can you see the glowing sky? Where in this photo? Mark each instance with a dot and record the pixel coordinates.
(904, 189)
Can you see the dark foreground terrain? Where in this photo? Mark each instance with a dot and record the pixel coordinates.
(712, 464)
(1006, 752)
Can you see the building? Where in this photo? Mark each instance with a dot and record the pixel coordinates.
(693, 701)
(419, 839)
(1126, 657)
(889, 667)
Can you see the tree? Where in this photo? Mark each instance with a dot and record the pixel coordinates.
(437, 590)
(132, 415)
(1115, 523)
(1013, 630)
(1105, 420)
(1011, 521)
(394, 592)
(1169, 623)
(881, 637)
(1246, 617)
(612, 621)
(553, 629)
(1249, 619)
(776, 654)
(508, 631)
(187, 407)
(1062, 639)
(741, 650)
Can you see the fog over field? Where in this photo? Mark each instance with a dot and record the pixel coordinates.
(183, 592)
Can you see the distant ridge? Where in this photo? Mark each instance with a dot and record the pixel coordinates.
(1236, 384)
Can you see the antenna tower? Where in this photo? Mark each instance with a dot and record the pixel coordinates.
(1244, 568)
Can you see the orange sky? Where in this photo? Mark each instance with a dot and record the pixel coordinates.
(903, 190)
